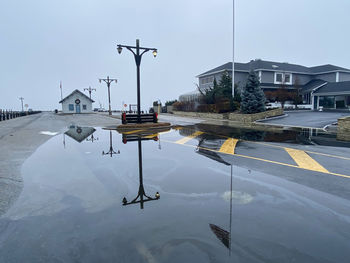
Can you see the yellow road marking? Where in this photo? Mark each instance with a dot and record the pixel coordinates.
(150, 136)
(263, 160)
(318, 153)
(304, 160)
(188, 138)
(229, 146)
(278, 146)
(131, 132)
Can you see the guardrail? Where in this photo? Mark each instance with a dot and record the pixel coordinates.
(9, 114)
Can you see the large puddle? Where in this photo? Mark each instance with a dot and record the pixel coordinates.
(94, 195)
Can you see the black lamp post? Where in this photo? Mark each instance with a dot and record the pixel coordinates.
(108, 82)
(90, 90)
(111, 150)
(141, 194)
(138, 57)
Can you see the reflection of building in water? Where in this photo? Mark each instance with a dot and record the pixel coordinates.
(79, 133)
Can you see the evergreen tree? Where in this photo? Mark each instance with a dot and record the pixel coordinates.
(253, 98)
(225, 86)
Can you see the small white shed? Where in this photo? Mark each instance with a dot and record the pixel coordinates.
(76, 102)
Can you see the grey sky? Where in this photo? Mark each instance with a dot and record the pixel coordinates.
(43, 42)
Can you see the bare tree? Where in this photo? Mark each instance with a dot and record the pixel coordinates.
(297, 93)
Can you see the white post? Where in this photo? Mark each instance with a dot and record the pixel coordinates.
(233, 48)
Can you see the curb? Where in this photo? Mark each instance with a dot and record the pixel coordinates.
(273, 118)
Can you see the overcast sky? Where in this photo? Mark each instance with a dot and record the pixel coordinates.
(43, 42)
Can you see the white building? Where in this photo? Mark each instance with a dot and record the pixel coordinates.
(76, 102)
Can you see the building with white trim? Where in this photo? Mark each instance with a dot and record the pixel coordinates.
(76, 102)
(326, 86)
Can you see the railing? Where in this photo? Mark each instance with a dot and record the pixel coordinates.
(9, 114)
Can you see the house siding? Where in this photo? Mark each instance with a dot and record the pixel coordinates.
(267, 77)
(303, 79)
(344, 76)
(330, 77)
(240, 79)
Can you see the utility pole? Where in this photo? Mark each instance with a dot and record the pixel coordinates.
(90, 90)
(108, 82)
(21, 98)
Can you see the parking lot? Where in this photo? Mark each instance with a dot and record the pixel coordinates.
(311, 119)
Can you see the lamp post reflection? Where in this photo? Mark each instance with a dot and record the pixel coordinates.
(111, 151)
(141, 197)
(225, 236)
(92, 138)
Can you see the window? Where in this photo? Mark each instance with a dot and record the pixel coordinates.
(207, 80)
(287, 78)
(84, 107)
(279, 77)
(283, 78)
(71, 107)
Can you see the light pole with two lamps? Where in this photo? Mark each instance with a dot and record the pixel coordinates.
(90, 90)
(138, 56)
(108, 82)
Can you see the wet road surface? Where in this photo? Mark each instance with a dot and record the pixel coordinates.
(313, 119)
(225, 196)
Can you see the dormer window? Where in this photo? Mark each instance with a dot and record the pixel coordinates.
(281, 77)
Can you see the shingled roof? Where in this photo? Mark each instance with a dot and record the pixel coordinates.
(313, 84)
(259, 64)
(334, 87)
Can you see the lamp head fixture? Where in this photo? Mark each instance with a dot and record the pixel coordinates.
(154, 52)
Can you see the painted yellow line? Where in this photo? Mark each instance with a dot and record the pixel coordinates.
(150, 136)
(263, 160)
(229, 146)
(278, 146)
(188, 138)
(318, 153)
(131, 132)
(304, 160)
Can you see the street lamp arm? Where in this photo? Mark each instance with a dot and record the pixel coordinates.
(133, 47)
(130, 49)
(146, 50)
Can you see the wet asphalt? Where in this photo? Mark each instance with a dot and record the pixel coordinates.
(255, 205)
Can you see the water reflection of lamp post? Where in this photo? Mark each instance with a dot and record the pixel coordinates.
(223, 235)
(141, 194)
(92, 138)
(111, 151)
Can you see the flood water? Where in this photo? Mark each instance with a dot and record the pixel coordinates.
(94, 195)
